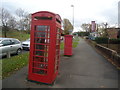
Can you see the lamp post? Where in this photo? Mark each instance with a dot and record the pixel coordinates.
(73, 15)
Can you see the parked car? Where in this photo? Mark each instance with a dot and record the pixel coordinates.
(26, 44)
(11, 45)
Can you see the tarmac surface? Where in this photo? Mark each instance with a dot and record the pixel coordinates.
(84, 69)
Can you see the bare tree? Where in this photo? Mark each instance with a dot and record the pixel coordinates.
(5, 17)
(27, 21)
(104, 29)
(12, 22)
(24, 19)
(86, 27)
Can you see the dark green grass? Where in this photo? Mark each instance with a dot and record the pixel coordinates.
(9, 65)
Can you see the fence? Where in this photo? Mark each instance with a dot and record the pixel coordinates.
(112, 55)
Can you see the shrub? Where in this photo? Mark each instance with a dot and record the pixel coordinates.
(101, 40)
(83, 33)
(114, 41)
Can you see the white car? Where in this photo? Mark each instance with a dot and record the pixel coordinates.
(10, 45)
(26, 44)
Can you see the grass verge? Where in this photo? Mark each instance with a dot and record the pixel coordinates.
(21, 35)
(9, 65)
(74, 44)
(62, 45)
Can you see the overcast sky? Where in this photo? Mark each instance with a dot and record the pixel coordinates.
(85, 11)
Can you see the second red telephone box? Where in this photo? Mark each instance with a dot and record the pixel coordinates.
(44, 47)
(68, 45)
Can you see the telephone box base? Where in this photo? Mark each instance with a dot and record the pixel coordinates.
(41, 83)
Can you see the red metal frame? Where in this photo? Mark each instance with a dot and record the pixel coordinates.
(44, 47)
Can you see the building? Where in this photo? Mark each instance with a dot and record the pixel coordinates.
(93, 26)
(113, 33)
(93, 31)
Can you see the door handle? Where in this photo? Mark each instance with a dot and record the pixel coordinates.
(11, 46)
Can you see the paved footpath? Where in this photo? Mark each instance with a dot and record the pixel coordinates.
(85, 69)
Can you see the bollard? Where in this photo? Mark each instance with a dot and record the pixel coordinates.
(8, 55)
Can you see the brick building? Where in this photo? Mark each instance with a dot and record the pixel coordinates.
(113, 32)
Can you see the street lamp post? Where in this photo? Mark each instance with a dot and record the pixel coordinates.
(73, 15)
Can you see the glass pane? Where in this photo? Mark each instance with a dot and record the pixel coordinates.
(39, 59)
(41, 47)
(41, 53)
(40, 34)
(42, 40)
(39, 40)
(39, 71)
(40, 65)
(58, 30)
(42, 28)
(58, 36)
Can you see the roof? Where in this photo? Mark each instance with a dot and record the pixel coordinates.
(47, 13)
(43, 12)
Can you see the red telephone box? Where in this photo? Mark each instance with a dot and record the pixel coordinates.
(68, 45)
(44, 47)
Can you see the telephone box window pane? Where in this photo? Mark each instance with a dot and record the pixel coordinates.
(39, 40)
(42, 28)
(42, 40)
(58, 30)
(40, 34)
(57, 42)
(42, 53)
(42, 31)
(39, 71)
(41, 47)
(40, 65)
(58, 36)
(40, 59)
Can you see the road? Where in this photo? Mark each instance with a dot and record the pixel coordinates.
(85, 69)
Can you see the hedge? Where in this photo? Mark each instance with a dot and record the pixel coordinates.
(103, 40)
(114, 41)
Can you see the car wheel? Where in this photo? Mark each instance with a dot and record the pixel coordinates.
(19, 51)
